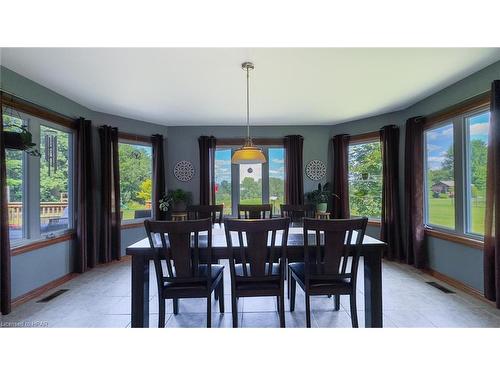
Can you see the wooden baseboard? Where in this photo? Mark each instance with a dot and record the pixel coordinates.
(458, 285)
(42, 289)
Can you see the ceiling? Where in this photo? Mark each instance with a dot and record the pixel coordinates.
(206, 86)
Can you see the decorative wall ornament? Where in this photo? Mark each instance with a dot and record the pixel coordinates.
(316, 170)
(184, 171)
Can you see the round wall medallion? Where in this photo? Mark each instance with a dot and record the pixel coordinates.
(316, 170)
(184, 171)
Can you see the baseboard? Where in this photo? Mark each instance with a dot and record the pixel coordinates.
(458, 285)
(42, 289)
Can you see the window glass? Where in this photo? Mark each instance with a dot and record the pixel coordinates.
(365, 179)
(135, 163)
(477, 151)
(250, 183)
(54, 180)
(276, 178)
(439, 177)
(223, 179)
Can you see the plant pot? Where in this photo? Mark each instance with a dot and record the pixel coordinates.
(321, 207)
(14, 141)
(179, 206)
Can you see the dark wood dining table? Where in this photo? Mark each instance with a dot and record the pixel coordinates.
(372, 250)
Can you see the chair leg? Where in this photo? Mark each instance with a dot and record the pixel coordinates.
(293, 290)
(354, 311)
(234, 302)
(176, 306)
(308, 311)
(282, 308)
(209, 310)
(289, 282)
(221, 296)
(161, 313)
(278, 302)
(337, 302)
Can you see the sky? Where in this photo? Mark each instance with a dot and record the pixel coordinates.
(439, 140)
(276, 159)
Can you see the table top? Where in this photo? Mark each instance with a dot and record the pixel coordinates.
(295, 239)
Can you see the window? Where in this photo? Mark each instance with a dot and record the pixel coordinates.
(136, 164)
(40, 188)
(249, 183)
(440, 176)
(365, 179)
(455, 173)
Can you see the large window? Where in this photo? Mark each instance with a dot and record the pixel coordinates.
(365, 179)
(249, 183)
(455, 173)
(40, 188)
(135, 163)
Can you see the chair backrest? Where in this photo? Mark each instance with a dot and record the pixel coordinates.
(139, 214)
(212, 211)
(296, 212)
(330, 258)
(254, 211)
(254, 243)
(178, 242)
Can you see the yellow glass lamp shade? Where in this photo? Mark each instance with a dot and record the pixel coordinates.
(248, 154)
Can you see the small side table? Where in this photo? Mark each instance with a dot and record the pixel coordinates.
(179, 216)
(323, 215)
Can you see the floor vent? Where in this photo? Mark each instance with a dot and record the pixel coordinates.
(50, 297)
(440, 287)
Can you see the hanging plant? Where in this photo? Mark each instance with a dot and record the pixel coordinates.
(21, 140)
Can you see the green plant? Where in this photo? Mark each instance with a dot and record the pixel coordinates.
(321, 195)
(173, 197)
(24, 140)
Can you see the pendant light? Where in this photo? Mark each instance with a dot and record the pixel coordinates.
(248, 153)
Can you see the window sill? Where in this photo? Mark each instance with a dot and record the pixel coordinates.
(136, 223)
(374, 222)
(463, 240)
(41, 243)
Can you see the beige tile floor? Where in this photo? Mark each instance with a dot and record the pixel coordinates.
(101, 298)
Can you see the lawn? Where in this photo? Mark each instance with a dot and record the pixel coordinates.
(442, 213)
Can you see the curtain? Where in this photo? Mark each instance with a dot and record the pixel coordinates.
(340, 177)
(207, 158)
(158, 176)
(109, 248)
(492, 215)
(4, 227)
(294, 170)
(414, 192)
(390, 230)
(86, 231)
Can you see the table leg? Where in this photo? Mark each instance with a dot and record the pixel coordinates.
(373, 289)
(140, 291)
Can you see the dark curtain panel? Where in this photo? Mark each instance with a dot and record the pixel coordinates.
(414, 192)
(207, 158)
(294, 170)
(390, 230)
(158, 176)
(4, 228)
(109, 248)
(340, 207)
(86, 231)
(492, 215)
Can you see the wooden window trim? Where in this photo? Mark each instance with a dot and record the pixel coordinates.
(68, 236)
(256, 141)
(20, 105)
(456, 238)
(134, 137)
(132, 225)
(374, 222)
(365, 137)
(469, 105)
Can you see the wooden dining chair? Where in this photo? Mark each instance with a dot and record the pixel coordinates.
(297, 212)
(255, 211)
(178, 243)
(325, 270)
(213, 211)
(257, 260)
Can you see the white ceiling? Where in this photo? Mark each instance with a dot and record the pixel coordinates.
(206, 86)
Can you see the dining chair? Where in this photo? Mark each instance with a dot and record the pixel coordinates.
(325, 269)
(213, 211)
(178, 244)
(297, 212)
(255, 211)
(257, 260)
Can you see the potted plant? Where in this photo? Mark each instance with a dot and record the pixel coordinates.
(175, 200)
(20, 140)
(320, 197)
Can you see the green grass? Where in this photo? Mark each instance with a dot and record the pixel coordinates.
(442, 213)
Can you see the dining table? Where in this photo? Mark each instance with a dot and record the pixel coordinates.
(371, 251)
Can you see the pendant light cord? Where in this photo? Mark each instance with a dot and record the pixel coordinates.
(248, 104)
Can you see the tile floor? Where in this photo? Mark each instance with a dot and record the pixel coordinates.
(101, 298)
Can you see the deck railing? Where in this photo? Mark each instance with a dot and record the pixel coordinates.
(48, 210)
